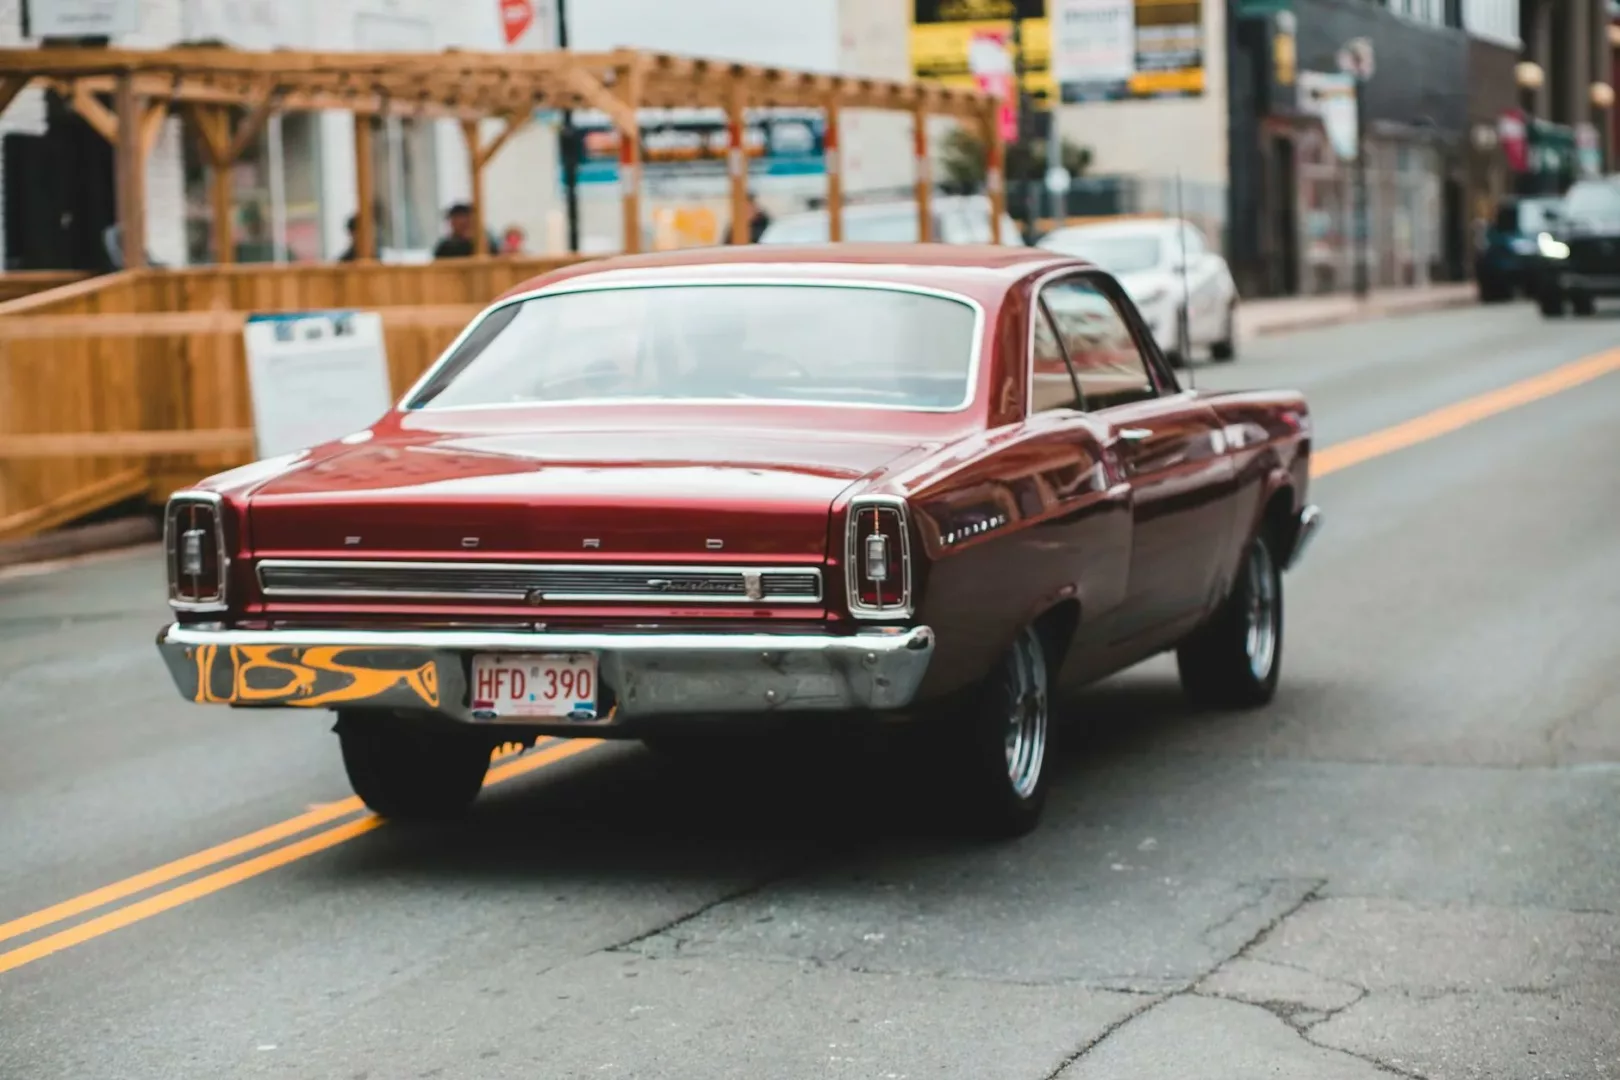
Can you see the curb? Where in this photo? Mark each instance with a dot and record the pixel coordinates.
(1367, 314)
(83, 540)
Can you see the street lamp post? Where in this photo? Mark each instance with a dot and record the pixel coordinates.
(570, 144)
(1356, 60)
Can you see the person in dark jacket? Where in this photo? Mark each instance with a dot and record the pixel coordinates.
(349, 254)
(459, 244)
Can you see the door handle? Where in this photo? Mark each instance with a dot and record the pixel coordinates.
(1135, 434)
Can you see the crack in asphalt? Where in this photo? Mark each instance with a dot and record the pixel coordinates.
(1310, 895)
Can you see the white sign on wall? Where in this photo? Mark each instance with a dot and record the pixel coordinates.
(1093, 46)
(81, 18)
(1093, 40)
(1331, 96)
(315, 376)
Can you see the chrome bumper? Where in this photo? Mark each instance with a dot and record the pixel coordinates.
(648, 674)
(1310, 520)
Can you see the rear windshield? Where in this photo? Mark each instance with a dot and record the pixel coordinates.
(809, 344)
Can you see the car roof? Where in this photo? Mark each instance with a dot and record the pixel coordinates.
(974, 268)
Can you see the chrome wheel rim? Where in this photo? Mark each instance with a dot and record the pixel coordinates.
(1027, 718)
(1260, 643)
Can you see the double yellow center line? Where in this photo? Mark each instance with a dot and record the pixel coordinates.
(548, 752)
(506, 766)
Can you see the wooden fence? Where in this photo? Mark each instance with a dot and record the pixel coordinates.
(133, 384)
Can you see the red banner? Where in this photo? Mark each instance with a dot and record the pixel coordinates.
(516, 18)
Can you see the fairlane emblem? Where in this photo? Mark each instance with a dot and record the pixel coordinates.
(534, 597)
(666, 585)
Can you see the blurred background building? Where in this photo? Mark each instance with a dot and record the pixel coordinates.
(1233, 112)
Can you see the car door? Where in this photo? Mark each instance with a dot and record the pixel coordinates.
(1167, 444)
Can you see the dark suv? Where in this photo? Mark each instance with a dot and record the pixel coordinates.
(1580, 253)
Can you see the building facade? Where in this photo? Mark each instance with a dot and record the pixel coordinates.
(1296, 167)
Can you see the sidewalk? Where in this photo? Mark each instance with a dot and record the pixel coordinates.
(1259, 318)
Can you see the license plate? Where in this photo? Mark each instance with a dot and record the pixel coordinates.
(550, 685)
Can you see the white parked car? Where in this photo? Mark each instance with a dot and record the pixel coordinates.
(958, 219)
(1146, 254)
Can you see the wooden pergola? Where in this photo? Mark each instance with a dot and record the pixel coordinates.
(226, 95)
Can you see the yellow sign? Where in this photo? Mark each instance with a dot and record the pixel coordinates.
(939, 52)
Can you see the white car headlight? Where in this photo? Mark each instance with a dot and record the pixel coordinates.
(1552, 248)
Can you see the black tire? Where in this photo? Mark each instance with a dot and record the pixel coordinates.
(1551, 304)
(1583, 306)
(411, 773)
(1225, 350)
(1234, 660)
(1000, 735)
(1493, 292)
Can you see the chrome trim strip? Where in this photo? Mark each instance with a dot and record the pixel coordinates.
(649, 674)
(903, 609)
(1310, 521)
(583, 285)
(741, 573)
(216, 502)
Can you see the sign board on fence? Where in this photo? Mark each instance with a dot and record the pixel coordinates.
(314, 376)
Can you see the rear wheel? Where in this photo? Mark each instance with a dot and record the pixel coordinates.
(1234, 660)
(1583, 305)
(412, 773)
(1001, 738)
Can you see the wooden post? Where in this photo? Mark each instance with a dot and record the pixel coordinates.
(832, 147)
(365, 191)
(737, 163)
(131, 174)
(224, 227)
(630, 157)
(925, 187)
(994, 185)
(475, 166)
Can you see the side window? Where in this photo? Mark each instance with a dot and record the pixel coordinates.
(1052, 381)
(1109, 367)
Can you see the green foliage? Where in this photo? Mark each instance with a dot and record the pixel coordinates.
(962, 160)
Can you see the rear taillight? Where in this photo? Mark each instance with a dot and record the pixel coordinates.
(194, 539)
(877, 556)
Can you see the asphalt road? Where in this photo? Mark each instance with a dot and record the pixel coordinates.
(1408, 865)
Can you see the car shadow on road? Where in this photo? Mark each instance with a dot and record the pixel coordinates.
(620, 813)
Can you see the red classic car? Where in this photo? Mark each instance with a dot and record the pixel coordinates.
(647, 495)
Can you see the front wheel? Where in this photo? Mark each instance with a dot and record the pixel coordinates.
(1234, 660)
(1002, 738)
(410, 773)
(1551, 303)
(1584, 306)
